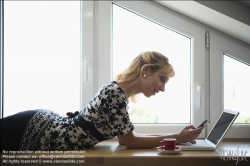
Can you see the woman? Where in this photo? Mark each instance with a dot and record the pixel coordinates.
(104, 117)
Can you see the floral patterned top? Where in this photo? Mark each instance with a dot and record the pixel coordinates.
(104, 117)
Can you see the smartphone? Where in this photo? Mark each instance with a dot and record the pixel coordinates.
(203, 123)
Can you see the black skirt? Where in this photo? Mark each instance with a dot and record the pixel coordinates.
(12, 128)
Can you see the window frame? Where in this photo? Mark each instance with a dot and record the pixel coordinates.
(102, 42)
(220, 46)
(102, 10)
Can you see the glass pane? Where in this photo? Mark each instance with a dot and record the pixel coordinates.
(133, 34)
(236, 88)
(41, 56)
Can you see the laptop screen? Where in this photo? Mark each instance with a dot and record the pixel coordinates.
(220, 128)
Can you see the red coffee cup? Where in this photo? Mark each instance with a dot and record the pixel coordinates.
(168, 143)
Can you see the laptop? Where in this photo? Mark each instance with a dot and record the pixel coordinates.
(216, 135)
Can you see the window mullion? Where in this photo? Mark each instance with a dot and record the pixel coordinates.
(87, 51)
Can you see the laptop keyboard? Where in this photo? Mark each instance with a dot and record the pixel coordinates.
(198, 143)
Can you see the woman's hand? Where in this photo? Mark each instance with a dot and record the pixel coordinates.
(189, 134)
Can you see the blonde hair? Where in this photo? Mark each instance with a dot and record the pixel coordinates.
(155, 60)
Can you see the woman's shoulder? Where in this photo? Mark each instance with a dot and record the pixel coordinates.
(113, 90)
(113, 86)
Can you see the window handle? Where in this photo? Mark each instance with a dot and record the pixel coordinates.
(199, 90)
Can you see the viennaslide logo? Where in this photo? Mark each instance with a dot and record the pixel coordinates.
(233, 155)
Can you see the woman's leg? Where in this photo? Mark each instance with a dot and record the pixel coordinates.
(12, 128)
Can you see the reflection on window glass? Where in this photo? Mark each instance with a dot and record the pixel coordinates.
(41, 56)
(236, 88)
(133, 34)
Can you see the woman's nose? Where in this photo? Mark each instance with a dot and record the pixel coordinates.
(162, 88)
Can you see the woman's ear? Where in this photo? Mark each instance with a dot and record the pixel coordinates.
(145, 69)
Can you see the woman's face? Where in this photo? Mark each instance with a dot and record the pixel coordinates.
(154, 83)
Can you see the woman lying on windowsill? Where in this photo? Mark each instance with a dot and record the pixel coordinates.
(104, 117)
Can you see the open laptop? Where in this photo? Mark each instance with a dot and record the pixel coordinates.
(216, 135)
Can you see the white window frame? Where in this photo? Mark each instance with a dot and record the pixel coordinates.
(98, 35)
(96, 47)
(218, 47)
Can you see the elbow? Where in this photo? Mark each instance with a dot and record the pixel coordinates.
(120, 142)
(130, 146)
(129, 140)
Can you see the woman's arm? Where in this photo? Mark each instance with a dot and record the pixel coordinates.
(155, 134)
(134, 140)
(141, 135)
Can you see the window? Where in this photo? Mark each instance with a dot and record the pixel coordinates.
(77, 73)
(206, 63)
(133, 34)
(236, 88)
(41, 56)
(229, 70)
(109, 53)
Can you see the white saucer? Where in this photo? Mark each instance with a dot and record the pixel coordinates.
(163, 151)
